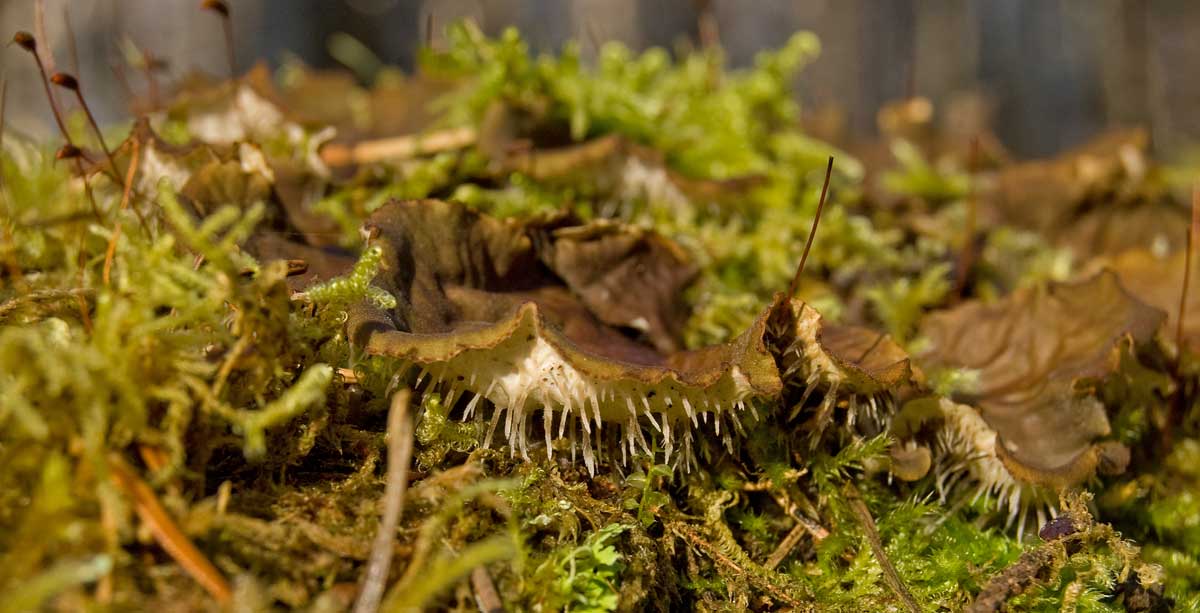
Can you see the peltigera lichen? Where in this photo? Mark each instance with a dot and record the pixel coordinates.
(494, 311)
(1032, 425)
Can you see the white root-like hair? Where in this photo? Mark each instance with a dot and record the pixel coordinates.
(965, 464)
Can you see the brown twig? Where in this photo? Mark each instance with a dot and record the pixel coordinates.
(397, 147)
(231, 357)
(1180, 397)
(890, 576)
(786, 546)
(812, 233)
(167, 533)
(486, 597)
(1020, 575)
(818, 532)
(400, 447)
(127, 89)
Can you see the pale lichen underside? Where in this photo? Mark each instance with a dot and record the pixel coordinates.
(531, 374)
(966, 456)
(478, 314)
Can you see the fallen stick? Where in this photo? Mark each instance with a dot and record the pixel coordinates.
(400, 448)
(398, 147)
(486, 596)
(890, 576)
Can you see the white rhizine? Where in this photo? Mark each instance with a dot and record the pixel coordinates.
(526, 373)
(522, 377)
(965, 451)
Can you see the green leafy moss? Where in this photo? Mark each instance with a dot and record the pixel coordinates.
(268, 429)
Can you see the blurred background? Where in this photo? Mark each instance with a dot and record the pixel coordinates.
(1054, 72)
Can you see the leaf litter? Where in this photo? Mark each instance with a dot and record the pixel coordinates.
(578, 271)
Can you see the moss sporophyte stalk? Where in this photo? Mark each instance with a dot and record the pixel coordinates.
(546, 333)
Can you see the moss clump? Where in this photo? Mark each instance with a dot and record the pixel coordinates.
(143, 331)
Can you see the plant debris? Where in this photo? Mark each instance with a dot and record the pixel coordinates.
(537, 333)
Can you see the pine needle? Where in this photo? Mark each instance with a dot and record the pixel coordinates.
(167, 533)
(812, 234)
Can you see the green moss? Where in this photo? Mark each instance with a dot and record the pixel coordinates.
(181, 347)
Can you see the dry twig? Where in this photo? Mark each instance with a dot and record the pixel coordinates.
(400, 448)
(890, 576)
(486, 596)
(398, 147)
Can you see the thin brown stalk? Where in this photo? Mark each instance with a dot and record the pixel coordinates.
(812, 233)
(108, 525)
(890, 576)
(127, 89)
(29, 43)
(966, 258)
(818, 532)
(39, 26)
(486, 596)
(239, 347)
(167, 533)
(70, 82)
(149, 65)
(72, 49)
(400, 447)
(1188, 255)
(221, 8)
(109, 252)
(150, 69)
(786, 546)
